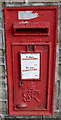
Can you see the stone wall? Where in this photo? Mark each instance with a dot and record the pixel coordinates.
(3, 74)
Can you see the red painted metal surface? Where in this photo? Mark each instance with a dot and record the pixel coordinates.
(30, 57)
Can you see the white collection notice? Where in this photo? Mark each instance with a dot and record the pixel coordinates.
(30, 65)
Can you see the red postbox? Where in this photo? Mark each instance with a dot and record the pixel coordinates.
(31, 38)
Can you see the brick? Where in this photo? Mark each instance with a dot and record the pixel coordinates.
(0, 60)
(56, 95)
(0, 107)
(0, 38)
(14, 1)
(3, 107)
(0, 23)
(1, 4)
(30, 1)
(17, 0)
(0, 14)
(60, 32)
(45, 1)
(4, 84)
(0, 93)
(2, 72)
(60, 53)
(57, 62)
(1, 83)
(1, 68)
(1, 52)
(4, 95)
(60, 105)
(60, 71)
(56, 102)
(59, 13)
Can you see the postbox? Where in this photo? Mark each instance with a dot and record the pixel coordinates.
(31, 39)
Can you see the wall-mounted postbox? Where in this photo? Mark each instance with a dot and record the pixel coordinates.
(31, 38)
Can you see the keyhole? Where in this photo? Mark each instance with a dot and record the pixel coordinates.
(21, 83)
(30, 48)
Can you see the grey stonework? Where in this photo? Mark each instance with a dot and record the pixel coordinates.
(3, 74)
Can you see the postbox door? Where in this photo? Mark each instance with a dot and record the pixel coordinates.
(30, 75)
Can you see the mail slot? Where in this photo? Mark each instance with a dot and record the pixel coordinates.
(39, 28)
(31, 39)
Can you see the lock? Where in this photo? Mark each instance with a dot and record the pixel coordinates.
(21, 83)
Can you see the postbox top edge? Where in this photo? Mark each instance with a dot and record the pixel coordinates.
(31, 7)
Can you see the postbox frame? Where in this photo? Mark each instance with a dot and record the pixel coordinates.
(49, 110)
